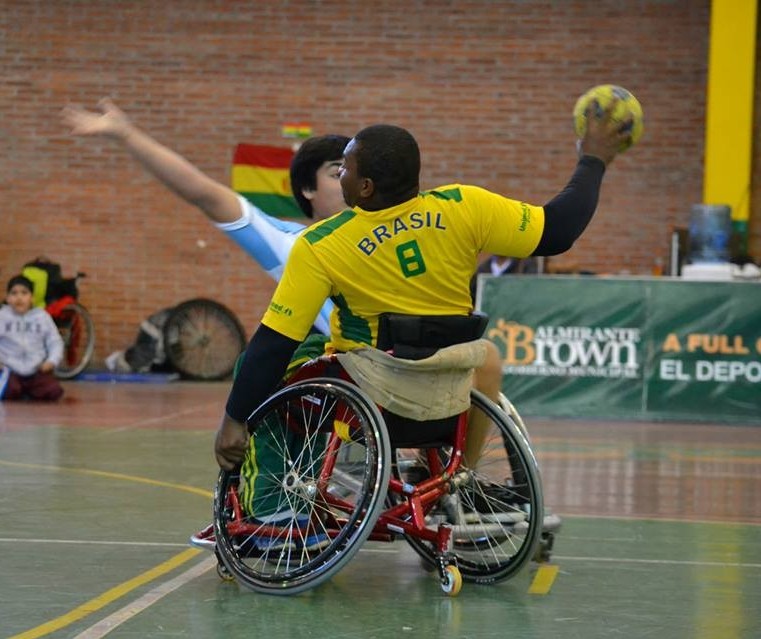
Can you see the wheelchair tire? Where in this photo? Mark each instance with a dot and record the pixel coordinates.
(202, 339)
(78, 333)
(331, 478)
(494, 535)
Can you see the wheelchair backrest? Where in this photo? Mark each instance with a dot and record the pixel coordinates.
(418, 337)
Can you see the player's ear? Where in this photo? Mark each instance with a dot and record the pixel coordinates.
(309, 194)
(367, 188)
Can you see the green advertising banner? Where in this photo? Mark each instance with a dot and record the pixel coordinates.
(706, 356)
(627, 348)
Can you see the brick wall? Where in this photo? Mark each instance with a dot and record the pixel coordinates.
(487, 88)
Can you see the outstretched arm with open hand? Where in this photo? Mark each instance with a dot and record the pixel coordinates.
(217, 201)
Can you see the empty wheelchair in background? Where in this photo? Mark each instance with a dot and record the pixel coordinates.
(60, 297)
(77, 329)
(202, 339)
(349, 470)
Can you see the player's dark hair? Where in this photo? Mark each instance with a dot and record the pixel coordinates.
(390, 157)
(311, 155)
(22, 280)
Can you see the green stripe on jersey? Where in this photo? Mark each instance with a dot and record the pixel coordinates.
(326, 228)
(354, 328)
(447, 194)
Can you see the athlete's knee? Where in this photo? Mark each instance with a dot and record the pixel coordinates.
(488, 377)
(493, 363)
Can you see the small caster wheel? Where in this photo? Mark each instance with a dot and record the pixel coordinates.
(224, 573)
(543, 551)
(451, 581)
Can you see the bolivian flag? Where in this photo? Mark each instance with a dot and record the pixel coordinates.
(260, 174)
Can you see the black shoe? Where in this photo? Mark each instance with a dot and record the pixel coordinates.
(415, 474)
(488, 498)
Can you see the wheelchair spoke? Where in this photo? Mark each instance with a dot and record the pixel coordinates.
(301, 522)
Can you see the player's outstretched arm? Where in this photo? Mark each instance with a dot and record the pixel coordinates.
(567, 215)
(219, 202)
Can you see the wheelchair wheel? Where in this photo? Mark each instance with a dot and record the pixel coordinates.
(323, 492)
(78, 333)
(495, 509)
(202, 339)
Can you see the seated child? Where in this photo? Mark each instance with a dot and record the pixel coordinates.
(30, 346)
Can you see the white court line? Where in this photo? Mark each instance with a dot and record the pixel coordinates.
(104, 626)
(623, 560)
(675, 562)
(163, 418)
(18, 540)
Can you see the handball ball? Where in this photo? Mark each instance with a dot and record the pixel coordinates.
(626, 106)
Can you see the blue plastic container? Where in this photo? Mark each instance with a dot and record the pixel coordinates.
(709, 233)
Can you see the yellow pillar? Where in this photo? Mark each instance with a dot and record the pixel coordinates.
(729, 108)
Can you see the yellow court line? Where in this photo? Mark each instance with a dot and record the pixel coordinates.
(102, 473)
(109, 596)
(543, 579)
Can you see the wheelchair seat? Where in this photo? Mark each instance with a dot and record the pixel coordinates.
(437, 355)
(336, 481)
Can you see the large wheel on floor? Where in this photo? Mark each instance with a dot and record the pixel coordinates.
(202, 339)
(496, 509)
(78, 333)
(322, 471)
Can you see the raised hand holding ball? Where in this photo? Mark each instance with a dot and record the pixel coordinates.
(626, 111)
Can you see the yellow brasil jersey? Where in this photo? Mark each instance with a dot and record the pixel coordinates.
(415, 258)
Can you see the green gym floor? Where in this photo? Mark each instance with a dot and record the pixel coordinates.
(661, 534)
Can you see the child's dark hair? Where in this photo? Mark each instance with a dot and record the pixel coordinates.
(310, 157)
(22, 280)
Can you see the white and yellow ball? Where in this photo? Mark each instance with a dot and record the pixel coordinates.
(626, 107)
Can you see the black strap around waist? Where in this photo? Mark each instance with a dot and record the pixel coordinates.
(420, 336)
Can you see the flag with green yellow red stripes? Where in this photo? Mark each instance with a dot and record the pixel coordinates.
(261, 175)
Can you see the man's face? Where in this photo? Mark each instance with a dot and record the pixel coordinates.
(19, 298)
(327, 199)
(351, 182)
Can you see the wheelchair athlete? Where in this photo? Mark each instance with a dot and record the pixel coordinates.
(400, 251)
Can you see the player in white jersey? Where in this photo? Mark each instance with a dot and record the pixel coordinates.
(268, 240)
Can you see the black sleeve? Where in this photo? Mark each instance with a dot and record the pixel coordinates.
(264, 364)
(568, 213)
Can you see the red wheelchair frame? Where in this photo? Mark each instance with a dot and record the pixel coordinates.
(77, 330)
(471, 538)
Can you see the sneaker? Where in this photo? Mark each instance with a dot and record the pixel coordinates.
(415, 474)
(287, 519)
(204, 539)
(259, 544)
(488, 498)
(314, 542)
(251, 545)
